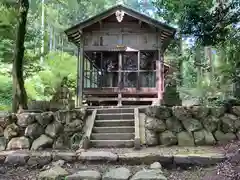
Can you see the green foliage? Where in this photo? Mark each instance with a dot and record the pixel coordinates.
(207, 20)
(45, 82)
(5, 92)
(7, 33)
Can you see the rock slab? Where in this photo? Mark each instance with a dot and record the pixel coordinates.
(17, 159)
(18, 143)
(42, 142)
(121, 173)
(149, 175)
(98, 156)
(82, 175)
(55, 173)
(156, 165)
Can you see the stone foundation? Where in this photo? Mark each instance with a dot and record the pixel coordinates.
(56, 130)
(190, 126)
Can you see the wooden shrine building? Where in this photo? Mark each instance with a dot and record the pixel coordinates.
(120, 57)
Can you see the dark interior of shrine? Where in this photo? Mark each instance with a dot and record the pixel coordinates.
(105, 65)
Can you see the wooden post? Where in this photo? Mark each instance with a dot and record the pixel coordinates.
(138, 72)
(102, 71)
(81, 74)
(78, 70)
(119, 79)
(159, 75)
(162, 73)
(91, 74)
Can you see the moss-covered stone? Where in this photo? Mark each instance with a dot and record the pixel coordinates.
(185, 139)
(224, 137)
(174, 125)
(192, 124)
(167, 138)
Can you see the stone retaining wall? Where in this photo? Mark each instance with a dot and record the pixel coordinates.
(189, 126)
(36, 131)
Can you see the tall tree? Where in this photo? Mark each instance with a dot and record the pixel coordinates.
(19, 93)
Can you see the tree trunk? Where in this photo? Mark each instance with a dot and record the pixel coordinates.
(19, 92)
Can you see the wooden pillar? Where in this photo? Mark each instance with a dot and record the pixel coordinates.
(81, 74)
(162, 72)
(119, 79)
(159, 75)
(102, 71)
(77, 90)
(91, 74)
(138, 72)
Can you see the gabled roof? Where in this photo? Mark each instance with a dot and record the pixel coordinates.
(74, 34)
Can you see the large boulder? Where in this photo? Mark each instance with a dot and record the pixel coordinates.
(156, 165)
(54, 129)
(18, 143)
(181, 113)
(174, 125)
(151, 137)
(85, 174)
(204, 137)
(75, 126)
(223, 138)
(228, 123)
(33, 131)
(200, 112)
(11, 131)
(192, 124)
(161, 112)
(54, 173)
(185, 139)
(238, 134)
(121, 173)
(199, 137)
(211, 123)
(236, 110)
(167, 138)
(217, 111)
(209, 138)
(25, 119)
(3, 143)
(62, 116)
(1, 131)
(42, 142)
(7, 118)
(153, 174)
(44, 118)
(155, 124)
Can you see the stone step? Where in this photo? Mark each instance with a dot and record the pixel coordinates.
(112, 143)
(115, 116)
(120, 129)
(113, 123)
(112, 136)
(115, 110)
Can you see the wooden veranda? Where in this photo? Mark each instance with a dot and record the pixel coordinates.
(120, 57)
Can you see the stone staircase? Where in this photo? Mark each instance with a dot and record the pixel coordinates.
(113, 127)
